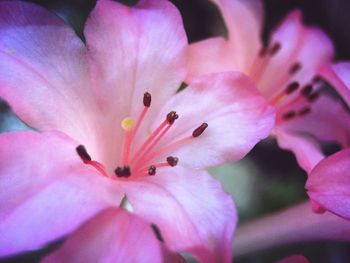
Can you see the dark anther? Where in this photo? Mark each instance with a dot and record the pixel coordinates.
(289, 115)
(172, 161)
(313, 97)
(275, 48)
(157, 233)
(263, 51)
(123, 171)
(304, 111)
(147, 99)
(294, 68)
(83, 154)
(198, 131)
(152, 170)
(317, 79)
(171, 117)
(292, 87)
(307, 90)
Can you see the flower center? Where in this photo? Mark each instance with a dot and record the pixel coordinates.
(139, 163)
(294, 100)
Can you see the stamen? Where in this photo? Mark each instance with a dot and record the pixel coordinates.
(171, 117)
(263, 51)
(147, 99)
(292, 87)
(86, 158)
(313, 97)
(172, 161)
(198, 131)
(152, 170)
(304, 111)
(307, 90)
(317, 79)
(275, 48)
(289, 115)
(294, 68)
(123, 171)
(83, 154)
(157, 232)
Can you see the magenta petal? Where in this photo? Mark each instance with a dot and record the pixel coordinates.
(45, 190)
(114, 235)
(329, 183)
(294, 259)
(191, 210)
(237, 115)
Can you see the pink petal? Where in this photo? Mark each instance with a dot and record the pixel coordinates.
(329, 183)
(111, 236)
(45, 190)
(306, 149)
(43, 68)
(211, 55)
(190, 208)
(244, 22)
(339, 76)
(291, 226)
(237, 115)
(308, 46)
(135, 50)
(294, 259)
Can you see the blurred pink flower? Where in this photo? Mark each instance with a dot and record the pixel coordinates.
(286, 72)
(112, 100)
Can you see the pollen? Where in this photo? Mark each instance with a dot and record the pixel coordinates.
(128, 124)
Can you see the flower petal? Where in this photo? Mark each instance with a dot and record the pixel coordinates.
(339, 76)
(113, 235)
(210, 55)
(293, 225)
(329, 183)
(303, 135)
(237, 115)
(305, 148)
(45, 190)
(244, 22)
(135, 50)
(190, 208)
(43, 68)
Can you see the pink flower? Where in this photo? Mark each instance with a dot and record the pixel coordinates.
(105, 112)
(285, 72)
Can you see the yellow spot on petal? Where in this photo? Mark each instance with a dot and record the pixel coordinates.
(128, 124)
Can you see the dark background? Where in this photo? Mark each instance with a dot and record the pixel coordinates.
(281, 181)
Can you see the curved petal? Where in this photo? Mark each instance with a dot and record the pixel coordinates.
(208, 56)
(45, 190)
(190, 208)
(338, 75)
(294, 259)
(43, 69)
(329, 183)
(237, 115)
(135, 50)
(243, 19)
(305, 148)
(113, 235)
